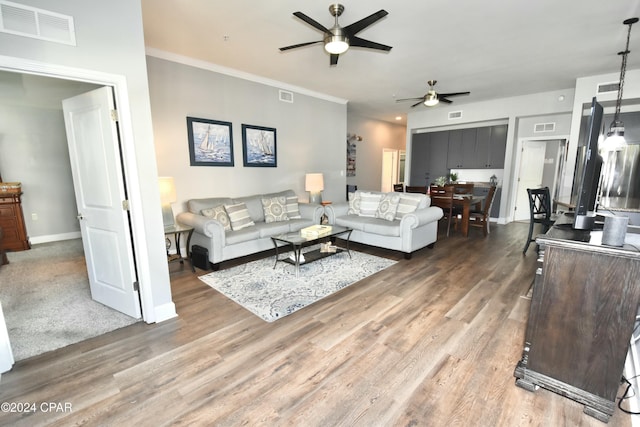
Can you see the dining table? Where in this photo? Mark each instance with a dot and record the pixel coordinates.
(466, 201)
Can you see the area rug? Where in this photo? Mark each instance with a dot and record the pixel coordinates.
(273, 293)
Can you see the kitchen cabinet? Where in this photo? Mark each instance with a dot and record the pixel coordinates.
(428, 157)
(461, 149)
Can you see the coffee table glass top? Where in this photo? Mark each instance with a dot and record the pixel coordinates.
(295, 237)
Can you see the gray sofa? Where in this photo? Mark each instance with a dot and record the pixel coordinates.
(252, 234)
(411, 225)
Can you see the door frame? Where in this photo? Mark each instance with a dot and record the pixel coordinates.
(516, 172)
(391, 166)
(125, 126)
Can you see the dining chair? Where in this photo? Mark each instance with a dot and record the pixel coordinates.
(398, 188)
(539, 212)
(416, 189)
(442, 196)
(481, 218)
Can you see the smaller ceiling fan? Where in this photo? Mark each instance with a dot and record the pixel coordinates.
(338, 39)
(432, 97)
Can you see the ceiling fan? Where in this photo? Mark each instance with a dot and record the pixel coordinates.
(432, 97)
(338, 39)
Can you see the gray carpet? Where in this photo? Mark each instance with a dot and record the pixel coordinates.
(273, 293)
(46, 300)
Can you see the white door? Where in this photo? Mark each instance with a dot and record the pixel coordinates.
(389, 169)
(96, 168)
(531, 169)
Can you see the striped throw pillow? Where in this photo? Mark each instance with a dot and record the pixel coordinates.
(239, 216)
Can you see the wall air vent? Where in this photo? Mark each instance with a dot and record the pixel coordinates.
(36, 23)
(286, 96)
(544, 127)
(608, 87)
(455, 115)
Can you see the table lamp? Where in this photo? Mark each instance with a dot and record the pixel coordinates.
(167, 196)
(314, 184)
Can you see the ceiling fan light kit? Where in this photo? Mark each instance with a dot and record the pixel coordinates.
(338, 40)
(433, 98)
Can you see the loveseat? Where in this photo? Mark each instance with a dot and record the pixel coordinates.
(234, 227)
(404, 222)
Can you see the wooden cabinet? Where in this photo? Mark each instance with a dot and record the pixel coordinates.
(428, 157)
(461, 149)
(583, 309)
(14, 233)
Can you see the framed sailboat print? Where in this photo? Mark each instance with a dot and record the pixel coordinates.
(210, 142)
(259, 146)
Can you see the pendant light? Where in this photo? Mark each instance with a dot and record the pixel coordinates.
(615, 136)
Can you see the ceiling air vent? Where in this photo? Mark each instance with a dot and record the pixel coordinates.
(544, 127)
(455, 115)
(36, 23)
(608, 87)
(286, 96)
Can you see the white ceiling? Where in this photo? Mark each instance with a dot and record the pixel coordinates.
(493, 48)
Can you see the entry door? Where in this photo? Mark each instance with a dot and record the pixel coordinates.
(96, 167)
(531, 170)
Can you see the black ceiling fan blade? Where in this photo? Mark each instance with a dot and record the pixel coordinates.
(358, 42)
(293, 46)
(417, 103)
(445, 100)
(447, 95)
(365, 22)
(310, 21)
(410, 99)
(334, 59)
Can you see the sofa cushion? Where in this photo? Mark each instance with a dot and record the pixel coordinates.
(272, 228)
(293, 211)
(240, 236)
(369, 203)
(219, 214)
(408, 203)
(275, 209)
(388, 206)
(239, 216)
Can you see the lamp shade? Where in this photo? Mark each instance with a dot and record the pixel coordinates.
(167, 189)
(167, 196)
(314, 182)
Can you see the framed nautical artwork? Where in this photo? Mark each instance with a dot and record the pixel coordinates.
(259, 146)
(210, 142)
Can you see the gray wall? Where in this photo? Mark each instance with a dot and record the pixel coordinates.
(33, 151)
(310, 133)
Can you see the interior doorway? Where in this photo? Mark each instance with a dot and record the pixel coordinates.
(542, 163)
(393, 164)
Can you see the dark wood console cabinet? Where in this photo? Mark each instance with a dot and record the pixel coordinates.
(582, 315)
(14, 232)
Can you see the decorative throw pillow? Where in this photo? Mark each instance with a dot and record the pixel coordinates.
(219, 214)
(354, 204)
(388, 206)
(369, 203)
(408, 203)
(239, 216)
(293, 212)
(275, 209)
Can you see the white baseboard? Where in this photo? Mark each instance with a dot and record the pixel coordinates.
(54, 237)
(165, 312)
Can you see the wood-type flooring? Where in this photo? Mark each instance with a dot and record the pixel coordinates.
(430, 341)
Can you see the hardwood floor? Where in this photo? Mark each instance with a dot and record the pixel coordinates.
(431, 341)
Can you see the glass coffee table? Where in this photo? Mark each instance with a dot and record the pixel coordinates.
(295, 241)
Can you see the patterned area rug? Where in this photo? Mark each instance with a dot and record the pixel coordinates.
(275, 293)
